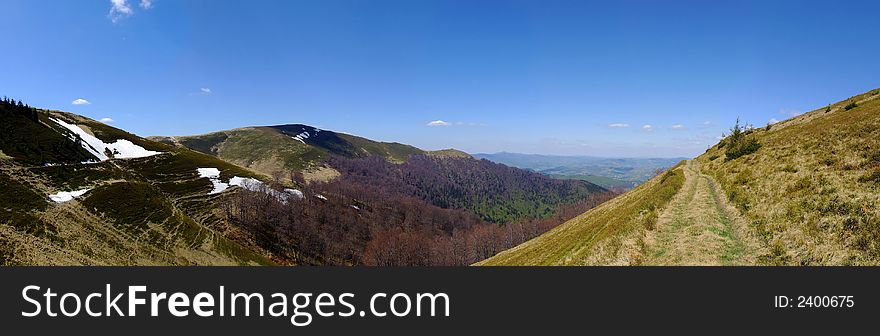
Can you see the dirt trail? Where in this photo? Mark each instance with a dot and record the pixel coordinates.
(699, 227)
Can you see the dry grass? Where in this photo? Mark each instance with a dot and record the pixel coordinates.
(320, 174)
(83, 237)
(809, 192)
(700, 228)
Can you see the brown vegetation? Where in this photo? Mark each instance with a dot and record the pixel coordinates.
(348, 223)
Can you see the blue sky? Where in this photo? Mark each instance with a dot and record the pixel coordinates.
(550, 77)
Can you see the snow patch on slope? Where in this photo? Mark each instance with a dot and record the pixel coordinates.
(248, 183)
(65, 196)
(294, 192)
(302, 136)
(121, 149)
(213, 174)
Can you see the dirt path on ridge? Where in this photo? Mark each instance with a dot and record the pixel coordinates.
(699, 227)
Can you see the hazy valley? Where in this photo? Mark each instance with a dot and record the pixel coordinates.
(624, 173)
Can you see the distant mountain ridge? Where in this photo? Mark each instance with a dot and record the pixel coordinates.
(607, 172)
(270, 149)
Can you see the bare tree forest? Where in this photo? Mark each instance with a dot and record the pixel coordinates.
(426, 211)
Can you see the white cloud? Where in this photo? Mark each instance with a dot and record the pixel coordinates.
(438, 123)
(202, 92)
(773, 121)
(119, 9)
(618, 125)
(648, 127)
(706, 124)
(80, 101)
(678, 126)
(106, 120)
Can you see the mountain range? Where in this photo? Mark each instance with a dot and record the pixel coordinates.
(286, 147)
(78, 191)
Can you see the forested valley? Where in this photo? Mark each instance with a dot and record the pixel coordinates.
(428, 210)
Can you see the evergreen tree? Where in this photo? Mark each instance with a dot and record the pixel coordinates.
(738, 144)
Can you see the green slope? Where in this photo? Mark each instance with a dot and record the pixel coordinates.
(143, 211)
(811, 190)
(36, 142)
(275, 149)
(259, 148)
(450, 153)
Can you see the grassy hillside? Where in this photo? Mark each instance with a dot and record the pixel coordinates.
(259, 148)
(294, 147)
(393, 151)
(27, 135)
(449, 153)
(141, 211)
(812, 188)
(801, 192)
